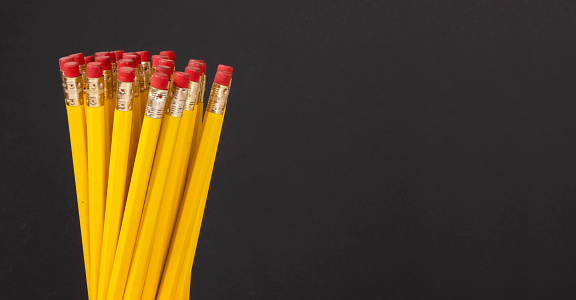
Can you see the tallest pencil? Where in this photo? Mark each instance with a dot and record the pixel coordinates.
(77, 125)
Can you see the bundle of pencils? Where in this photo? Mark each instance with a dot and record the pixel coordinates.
(143, 153)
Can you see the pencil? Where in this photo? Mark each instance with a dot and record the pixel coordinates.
(74, 99)
(174, 187)
(194, 187)
(109, 102)
(118, 172)
(146, 77)
(98, 170)
(79, 58)
(154, 198)
(138, 185)
(135, 105)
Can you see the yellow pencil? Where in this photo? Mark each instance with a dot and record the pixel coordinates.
(194, 187)
(136, 110)
(98, 170)
(174, 187)
(74, 99)
(138, 185)
(200, 64)
(156, 187)
(146, 77)
(117, 188)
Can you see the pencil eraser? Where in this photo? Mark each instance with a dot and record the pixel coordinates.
(105, 61)
(144, 55)
(166, 62)
(88, 59)
(126, 74)
(199, 63)
(101, 53)
(79, 58)
(94, 70)
(71, 69)
(164, 70)
(126, 63)
(160, 81)
(113, 57)
(225, 68)
(119, 54)
(170, 55)
(136, 57)
(222, 78)
(194, 73)
(181, 79)
(156, 58)
(64, 60)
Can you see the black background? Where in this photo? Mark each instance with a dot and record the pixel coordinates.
(371, 149)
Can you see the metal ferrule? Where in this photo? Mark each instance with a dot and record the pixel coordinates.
(125, 96)
(156, 102)
(192, 99)
(108, 85)
(147, 74)
(218, 99)
(74, 91)
(95, 92)
(83, 73)
(114, 68)
(203, 88)
(140, 74)
(136, 85)
(177, 104)
(63, 83)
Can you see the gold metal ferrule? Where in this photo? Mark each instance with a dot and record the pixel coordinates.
(202, 88)
(218, 99)
(177, 104)
(83, 73)
(193, 93)
(125, 96)
(74, 91)
(114, 68)
(147, 74)
(95, 92)
(140, 74)
(108, 84)
(63, 83)
(156, 102)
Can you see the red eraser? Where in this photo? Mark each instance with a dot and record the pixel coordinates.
(222, 78)
(156, 58)
(164, 70)
(64, 60)
(71, 69)
(94, 70)
(225, 68)
(126, 74)
(126, 63)
(144, 55)
(113, 57)
(166, 62)
(199, 63)
(105, 61)
(194, 73)
(170, 54)
(181, 79)
(160, 81)
(119, 54)
(79, 58)
(132, 54)
(101, 53)
(88, 59)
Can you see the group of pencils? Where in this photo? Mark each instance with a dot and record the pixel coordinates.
(143, 153)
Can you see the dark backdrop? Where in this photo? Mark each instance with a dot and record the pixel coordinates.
(371, 149)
